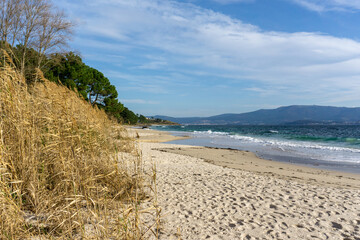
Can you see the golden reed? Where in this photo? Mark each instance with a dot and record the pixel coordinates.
(66, 170)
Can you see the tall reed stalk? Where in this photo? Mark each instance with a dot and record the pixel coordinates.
(65, 170)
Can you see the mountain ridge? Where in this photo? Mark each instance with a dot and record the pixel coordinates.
(300, 114)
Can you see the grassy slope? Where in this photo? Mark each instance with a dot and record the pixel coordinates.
(60, 172)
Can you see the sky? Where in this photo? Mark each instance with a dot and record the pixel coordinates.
(209, 57)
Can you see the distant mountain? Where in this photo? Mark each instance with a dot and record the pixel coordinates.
(299, 115)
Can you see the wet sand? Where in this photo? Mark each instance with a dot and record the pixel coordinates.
(248, 161)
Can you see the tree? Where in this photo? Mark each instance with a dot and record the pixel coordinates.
(99, 87)
(10, 21)
(90, 83)
(69, 70)
(142, 119)
(29, 64)
(53, 31)
(129, 117)
(30, 33)
(114, 108)
(33, 10)
(32, 24)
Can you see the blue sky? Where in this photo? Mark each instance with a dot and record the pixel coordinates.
(208, 57)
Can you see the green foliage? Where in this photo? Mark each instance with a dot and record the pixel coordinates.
(128, 116)
(114, 108)
(153, 120)
(15, 54)
(91, 84)
(99, 87)
(69, 70)
(143, 119)
(72, 72)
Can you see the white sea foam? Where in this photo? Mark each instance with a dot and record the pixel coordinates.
(272, 146)
(246, 138)
(281, 144)
(209, 132)
(293, 144)
(273, 131)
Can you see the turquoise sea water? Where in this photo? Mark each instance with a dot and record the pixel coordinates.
(331, 147)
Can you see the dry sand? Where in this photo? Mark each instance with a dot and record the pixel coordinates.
(226, 194)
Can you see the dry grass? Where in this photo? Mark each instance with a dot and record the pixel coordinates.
(65, 170)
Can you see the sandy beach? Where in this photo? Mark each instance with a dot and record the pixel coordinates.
(208, 193)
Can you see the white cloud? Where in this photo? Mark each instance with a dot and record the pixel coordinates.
(153, 65)
(138, 101)
(311, 5)
(231, 1)
(329, 5)
(195, 40)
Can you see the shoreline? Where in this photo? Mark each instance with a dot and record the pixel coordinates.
(201, 199)
(249, 161)
(323, 164)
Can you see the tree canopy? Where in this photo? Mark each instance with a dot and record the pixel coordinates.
(90, 83)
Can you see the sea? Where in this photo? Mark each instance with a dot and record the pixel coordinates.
(333, 147)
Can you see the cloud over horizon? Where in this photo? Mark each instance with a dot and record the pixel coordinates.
(184, 45)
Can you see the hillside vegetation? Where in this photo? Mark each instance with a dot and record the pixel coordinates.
(60, 170)
(34, 34)
(68, 170)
